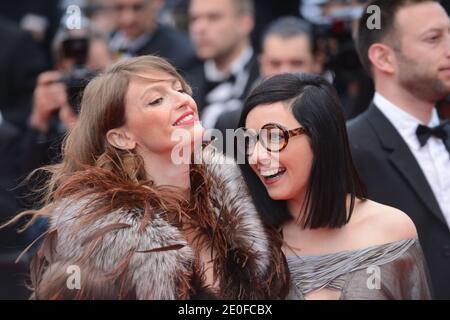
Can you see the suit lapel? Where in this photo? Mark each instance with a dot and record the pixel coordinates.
(403, 160)
(253, 69)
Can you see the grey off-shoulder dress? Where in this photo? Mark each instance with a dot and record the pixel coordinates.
(395, 270)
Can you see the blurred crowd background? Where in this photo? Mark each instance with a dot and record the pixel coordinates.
(51, 48)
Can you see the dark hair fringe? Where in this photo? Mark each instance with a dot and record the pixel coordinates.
(315, 105)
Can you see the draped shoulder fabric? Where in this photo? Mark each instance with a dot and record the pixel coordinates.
(390, 271)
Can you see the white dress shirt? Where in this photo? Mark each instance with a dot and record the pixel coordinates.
(433, 158)
(227, 95)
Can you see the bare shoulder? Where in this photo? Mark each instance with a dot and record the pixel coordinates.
(379, 224)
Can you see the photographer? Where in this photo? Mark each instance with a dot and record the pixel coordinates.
(49, 97)
(79, 55)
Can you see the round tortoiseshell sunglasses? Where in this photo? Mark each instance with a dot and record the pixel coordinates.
(272, 136)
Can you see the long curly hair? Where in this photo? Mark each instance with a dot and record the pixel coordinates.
(111, 178)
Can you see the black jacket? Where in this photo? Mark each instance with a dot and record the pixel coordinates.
(172, 45)
(394, 178)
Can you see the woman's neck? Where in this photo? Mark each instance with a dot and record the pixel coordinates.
(295, 207)
(297, 212)
(164, 172)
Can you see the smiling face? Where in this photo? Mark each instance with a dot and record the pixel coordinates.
(156, 106)
(285, 174)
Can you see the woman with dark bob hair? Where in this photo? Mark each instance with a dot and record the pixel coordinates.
(127, 221)
(299, 169)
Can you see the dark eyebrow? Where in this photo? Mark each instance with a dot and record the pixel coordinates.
(436, 29)
(157, 86)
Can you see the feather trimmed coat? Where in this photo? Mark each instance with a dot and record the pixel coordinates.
(113, 258)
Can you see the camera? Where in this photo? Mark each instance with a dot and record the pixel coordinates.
(76, 81)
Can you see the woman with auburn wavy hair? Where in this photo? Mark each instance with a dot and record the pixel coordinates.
(135, 224)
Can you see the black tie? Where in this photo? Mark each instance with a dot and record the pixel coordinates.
(211, 85)
(442, 131)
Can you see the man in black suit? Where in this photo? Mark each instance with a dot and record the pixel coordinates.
(139, 33)
(220, 30)
(399, 144)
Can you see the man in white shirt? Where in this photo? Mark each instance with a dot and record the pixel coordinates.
(401, 147)
(220, 31)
